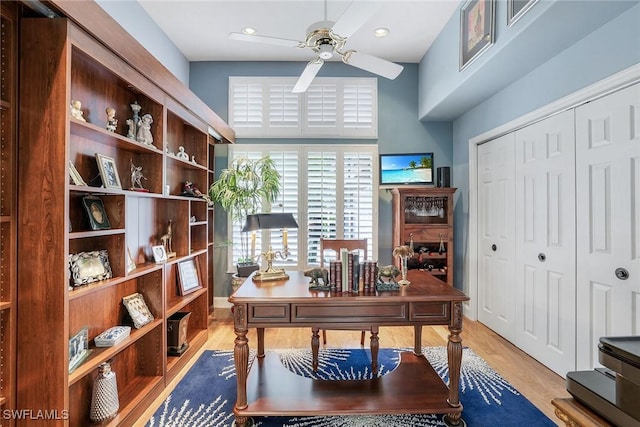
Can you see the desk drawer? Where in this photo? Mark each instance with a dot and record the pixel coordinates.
(430, 312)
(340, 313)
(276, 313)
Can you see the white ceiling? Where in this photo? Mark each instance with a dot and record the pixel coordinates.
(200, 28)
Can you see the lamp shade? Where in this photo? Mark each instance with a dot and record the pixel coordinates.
(263, 221)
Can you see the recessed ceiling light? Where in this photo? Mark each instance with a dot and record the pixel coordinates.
(381, 32)
(248, 30)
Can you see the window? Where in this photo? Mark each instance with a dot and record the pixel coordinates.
(331, 108)
(332, 192)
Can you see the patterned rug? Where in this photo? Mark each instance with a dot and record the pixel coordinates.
(206, 395)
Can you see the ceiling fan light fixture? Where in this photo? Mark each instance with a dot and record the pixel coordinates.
(249, 31)
(325, 51)
(381, 32)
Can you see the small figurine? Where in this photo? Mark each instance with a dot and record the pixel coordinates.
(136, 177)
(316, 274)
(190, 190)
(132, 129)
(193, 159)
(144, 130)
(181, 154)
(166, 241)
(76, 110)
(112, 122)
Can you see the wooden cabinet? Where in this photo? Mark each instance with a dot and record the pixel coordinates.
(61, 63)
(8, 205)
(424, 217)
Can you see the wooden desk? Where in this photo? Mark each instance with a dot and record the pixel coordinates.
(413, 388)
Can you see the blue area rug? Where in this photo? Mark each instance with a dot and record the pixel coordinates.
(207, 393)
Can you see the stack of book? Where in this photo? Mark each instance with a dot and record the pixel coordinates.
(348, 274)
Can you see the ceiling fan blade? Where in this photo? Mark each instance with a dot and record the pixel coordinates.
(354, 17)
(373, 64)
(266, 40)
(307, 75)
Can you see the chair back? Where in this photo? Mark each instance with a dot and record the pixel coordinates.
(337, 244)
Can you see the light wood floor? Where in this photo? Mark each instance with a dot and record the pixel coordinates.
(537, 383)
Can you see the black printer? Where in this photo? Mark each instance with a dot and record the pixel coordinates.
(613, 391)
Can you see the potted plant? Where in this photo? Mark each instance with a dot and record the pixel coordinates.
(241, 190)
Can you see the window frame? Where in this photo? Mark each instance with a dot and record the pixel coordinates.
(300, 237)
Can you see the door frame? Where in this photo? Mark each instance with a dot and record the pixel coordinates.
(596, 90)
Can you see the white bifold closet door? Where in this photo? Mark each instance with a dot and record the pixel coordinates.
(545, 241)
(608, 223)
(496, 229)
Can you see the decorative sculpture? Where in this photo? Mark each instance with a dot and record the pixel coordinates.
(166, 240)
(144, 130)
(112, 122)
(136, 177)
(76, 110)
(386, 278)
(403, 252)
(133, 122)
(315, 274)
(104, 397)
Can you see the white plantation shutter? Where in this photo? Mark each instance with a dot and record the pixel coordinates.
(330, 191)
(322, 104)
(283, 107)
(322, 190)
(332, 107)
(247, 105)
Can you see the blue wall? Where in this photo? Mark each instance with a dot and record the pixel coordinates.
(399, 129)
(603, 51)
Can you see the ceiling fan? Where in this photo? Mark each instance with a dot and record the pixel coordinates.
(328, 38)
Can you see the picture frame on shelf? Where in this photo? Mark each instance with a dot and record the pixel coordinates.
(96, 214)
(76, 178)
(78, 348)
(89, 267)
(188, 276)
(138, 310)
(517, 8)
(159, 254)
(477, 29)
(108, 171)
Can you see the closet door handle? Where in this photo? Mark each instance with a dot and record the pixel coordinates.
(622, 273)
(494, 247)
(542, 257)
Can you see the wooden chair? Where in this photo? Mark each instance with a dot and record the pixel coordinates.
(335, 245)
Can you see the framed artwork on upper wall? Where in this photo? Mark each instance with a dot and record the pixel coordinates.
(477, 29)
(517, 8)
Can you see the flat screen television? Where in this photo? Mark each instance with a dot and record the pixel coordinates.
(406, 169)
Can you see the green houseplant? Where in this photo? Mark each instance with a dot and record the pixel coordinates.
(241, 190)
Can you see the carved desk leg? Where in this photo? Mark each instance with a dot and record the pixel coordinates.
(375, 346)
(315, 346)
(241, 360)
(454, 354)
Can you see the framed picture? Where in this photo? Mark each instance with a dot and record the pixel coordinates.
(108, 171)
(477, 28)
(76, 178)
(78, 348)
(517, 8)
(159, 254)
(88, 267)
(188, 276)
(96, 214)
(138, 310)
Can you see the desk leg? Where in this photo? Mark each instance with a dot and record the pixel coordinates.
(454, 356)
(417, 340)
(260, 332)
(315, 346)
(375, 346)
(241, 360)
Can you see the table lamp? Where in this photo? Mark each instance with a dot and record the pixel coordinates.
(265, 221)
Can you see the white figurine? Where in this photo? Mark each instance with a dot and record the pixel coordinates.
(76, 110)
(181, 154)
(112, 122)
(144, 130)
